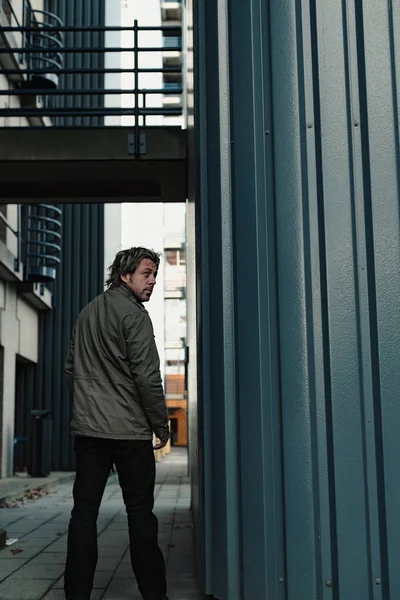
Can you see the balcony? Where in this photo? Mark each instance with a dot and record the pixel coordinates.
(30, 238)
(37, 43)
(42, 242)
(30, 56)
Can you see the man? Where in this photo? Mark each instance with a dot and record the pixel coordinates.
(113, 373)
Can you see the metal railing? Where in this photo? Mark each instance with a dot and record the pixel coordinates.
(51, 63)
(42, 242)
(43, 48)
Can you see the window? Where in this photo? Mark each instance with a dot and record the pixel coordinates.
(175, 257)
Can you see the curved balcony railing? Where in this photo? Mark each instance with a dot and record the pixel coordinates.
(44, 44)
(43, 242)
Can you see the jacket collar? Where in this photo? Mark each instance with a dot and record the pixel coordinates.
(126, 291)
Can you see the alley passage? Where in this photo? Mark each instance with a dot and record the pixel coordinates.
(41, 529)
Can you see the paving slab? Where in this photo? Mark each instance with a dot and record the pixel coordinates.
(36, 572)
(23, 589)
(13, 488)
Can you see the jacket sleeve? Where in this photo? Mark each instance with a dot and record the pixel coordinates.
(144, 364)
(69, 365)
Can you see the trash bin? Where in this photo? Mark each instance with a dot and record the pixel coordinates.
(40, 441)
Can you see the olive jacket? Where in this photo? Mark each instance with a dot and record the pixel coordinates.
(113, 371)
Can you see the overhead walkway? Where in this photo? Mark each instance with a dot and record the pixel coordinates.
(93, 165)
(67, 136)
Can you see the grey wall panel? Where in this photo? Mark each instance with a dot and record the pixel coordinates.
(380, 25)
(313, 159)
(335, 140)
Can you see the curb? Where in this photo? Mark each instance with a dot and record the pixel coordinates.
(51, 484)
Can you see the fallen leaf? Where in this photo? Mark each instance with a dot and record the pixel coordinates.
(16, 551)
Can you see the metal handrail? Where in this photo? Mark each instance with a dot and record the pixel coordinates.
(79, 50)
(67, 108)
(91, 71)
(96, 29)
(166, 111)
(99, 92)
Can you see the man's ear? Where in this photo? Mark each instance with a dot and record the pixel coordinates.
(125, 277)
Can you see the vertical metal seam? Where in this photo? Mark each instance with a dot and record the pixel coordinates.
(233, 554)
(315, 131)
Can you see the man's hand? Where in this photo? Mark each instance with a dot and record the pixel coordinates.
(160, 445)
(163, 436)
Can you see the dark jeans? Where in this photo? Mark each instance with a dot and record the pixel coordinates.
(135, 465)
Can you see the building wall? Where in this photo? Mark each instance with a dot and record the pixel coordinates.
(10, 344)
(112, 59)
(143, 225)
(296, 155)
(82, 13)
(80, 276)
(148, 15)
(28, 319)
(79, 279)
(19, 320)
(112, 234)
(13, 39)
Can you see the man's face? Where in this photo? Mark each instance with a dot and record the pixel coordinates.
(143, 280)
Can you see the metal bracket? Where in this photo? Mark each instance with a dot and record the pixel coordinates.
(142, 144)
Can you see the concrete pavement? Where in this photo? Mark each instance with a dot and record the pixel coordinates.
(32, 568)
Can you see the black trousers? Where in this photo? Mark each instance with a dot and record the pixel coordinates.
(135, 464)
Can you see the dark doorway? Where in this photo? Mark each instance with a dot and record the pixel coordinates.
(24, 397)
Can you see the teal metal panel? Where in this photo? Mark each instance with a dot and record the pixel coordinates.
(379, 29)
(262, 547)
(300, 145)
(218, 439)
(296, 331)
(201, 430)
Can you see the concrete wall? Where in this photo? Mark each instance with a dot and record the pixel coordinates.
(28, 319)
(10, 102)
(15, 40)
(18, 335)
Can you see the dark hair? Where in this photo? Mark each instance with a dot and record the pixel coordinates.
(127, 261)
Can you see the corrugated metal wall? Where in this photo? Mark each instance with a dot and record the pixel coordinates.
(296, 486)
(81, 13)
(80, 277)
